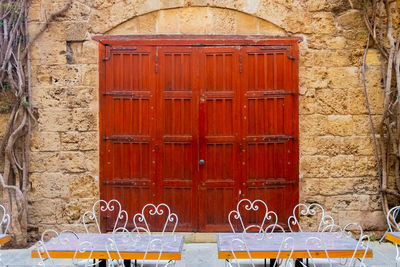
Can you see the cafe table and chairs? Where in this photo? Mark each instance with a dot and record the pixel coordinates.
(274, 243)
(116, 246)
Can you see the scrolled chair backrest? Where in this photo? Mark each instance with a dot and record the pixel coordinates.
(131, 238)
(391, 219)
(5, 220)
(62, 238)
(351, 230)
(309, 210)
(153, 210)
(111, 206)
(251, 206)
(315, 243)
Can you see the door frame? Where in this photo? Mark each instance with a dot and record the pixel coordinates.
(106, 43)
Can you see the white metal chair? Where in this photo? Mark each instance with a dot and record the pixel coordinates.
(315, 242)
(104, 206)
(62, 238)
(131, 238)
(287, 245)
(305, 211)
(393, 226)
(247, 205)
(161, 210)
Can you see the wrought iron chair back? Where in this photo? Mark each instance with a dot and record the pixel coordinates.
(5, 220)
(391, 219)
(61, 238)
(131, 238)
(350, 230)
(254, 206)
(309, 210)
(287, 245)
(103, 206)
(153, 210)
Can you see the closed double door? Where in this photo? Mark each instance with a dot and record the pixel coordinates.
(199, 127)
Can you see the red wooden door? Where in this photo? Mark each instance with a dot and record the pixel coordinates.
(269, 131)
(199, 126)
(219, 127)
(127, 134)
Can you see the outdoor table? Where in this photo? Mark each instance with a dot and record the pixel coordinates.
(172, 247)
(268, 247)
(393, 237)
(4, 239)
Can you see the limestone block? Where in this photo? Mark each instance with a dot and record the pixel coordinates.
(76, 31)
(77, 12)
(238, 4)
(45, 141)
(75, 208)
(325, 41)
(352, 166)
(194, 20)
(90, 75)
(92, 161)
(355, 39)
(72, 161)
(146, 6)
(147, 23)
(70, 141)
(88, 141)
(331, 101)
(310, 185)
(274, 12)
(246, 24)
(357, 145)
(328, 145)
(223, 21)
(374, 220)
(328, 58)
(347, 202)
(373, 57)
(83, 186)
(338, 7)
(48, 52)
(307, 105)
(306, 22)
(168, 21)
(44, 162)
(314, 166)
(337, 186)
(344, 77)
(308, 145)
(313, 125)
(49, 185)
(45, 211)
(101, 21)
(127, 27)
(267, 28)
(69, 75)
(34, 12)
(84, 119)
(313, 77)
(362, 125)
(55, 119)
(351, 19)
(63, 97)
(315, 5)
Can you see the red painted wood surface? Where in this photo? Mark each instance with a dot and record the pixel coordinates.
(167, 103)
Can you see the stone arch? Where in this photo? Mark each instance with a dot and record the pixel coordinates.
(117, 14)
(197, 20)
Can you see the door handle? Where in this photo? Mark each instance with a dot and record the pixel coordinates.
(202, 162)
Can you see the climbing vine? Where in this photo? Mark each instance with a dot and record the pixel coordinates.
(381, 18)
(15, 45)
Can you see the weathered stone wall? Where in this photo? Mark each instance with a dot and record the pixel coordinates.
(337, 167)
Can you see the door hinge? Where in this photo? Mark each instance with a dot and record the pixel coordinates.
(240, 63)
